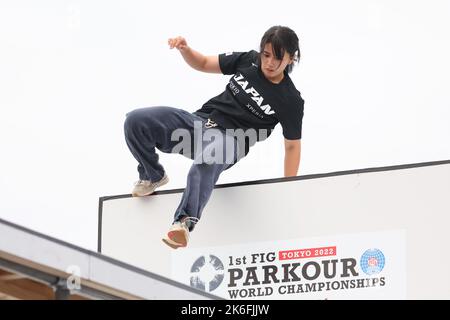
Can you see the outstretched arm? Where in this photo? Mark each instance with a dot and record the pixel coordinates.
(292, 151)
(195, 59)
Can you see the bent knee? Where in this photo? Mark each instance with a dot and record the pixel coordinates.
(139, 118)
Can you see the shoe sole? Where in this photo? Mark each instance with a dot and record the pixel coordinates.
(141, 194)
(150, 192)
(178, 236)
(171, 243)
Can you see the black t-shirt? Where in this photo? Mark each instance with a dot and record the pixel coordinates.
(252, 101)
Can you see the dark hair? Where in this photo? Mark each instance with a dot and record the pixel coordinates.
(283, 39)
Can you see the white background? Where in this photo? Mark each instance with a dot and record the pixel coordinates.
(374, 76)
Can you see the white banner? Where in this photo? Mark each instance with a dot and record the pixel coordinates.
(355, 266)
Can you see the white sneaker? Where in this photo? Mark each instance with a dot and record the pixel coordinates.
(178, 235)
(146, 187)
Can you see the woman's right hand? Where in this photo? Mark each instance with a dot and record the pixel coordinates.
(178, 42)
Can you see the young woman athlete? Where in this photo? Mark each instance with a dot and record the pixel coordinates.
(259, 95)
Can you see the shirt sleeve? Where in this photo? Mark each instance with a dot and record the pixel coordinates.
(231, 61)
(292, 125)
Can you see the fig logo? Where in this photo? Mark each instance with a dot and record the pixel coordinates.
(207, 273)
(372, 261)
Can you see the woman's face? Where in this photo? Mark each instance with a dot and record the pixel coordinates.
(271, 66)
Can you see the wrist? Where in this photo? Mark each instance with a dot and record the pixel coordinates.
(185, 49)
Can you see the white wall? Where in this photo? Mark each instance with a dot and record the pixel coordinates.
(373, 75)
(409, 203)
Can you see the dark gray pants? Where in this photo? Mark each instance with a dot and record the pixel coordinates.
(152, 127)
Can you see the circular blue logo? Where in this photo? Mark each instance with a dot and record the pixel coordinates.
(372, 261)
(207, 273)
